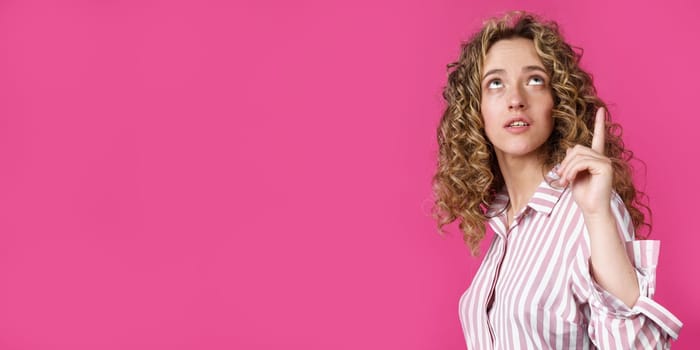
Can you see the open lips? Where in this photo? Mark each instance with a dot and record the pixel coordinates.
(517, 122)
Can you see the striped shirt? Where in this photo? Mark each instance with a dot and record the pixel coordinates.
(534, 288)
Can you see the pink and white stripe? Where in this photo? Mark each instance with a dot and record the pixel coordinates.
(534, 289)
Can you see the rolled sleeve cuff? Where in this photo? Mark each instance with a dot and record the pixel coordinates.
(615, 307)
(644, 256)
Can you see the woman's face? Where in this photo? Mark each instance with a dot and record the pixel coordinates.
(516, 99)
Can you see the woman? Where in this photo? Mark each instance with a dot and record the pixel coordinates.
(524, 144)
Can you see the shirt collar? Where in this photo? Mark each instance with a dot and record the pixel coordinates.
(543, 200)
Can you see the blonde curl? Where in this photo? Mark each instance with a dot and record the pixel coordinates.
(468, 176)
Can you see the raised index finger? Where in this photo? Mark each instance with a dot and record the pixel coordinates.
(598, 143)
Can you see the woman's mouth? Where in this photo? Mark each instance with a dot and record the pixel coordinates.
(518, 123)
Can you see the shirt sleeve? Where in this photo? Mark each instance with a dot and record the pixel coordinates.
(647, 324)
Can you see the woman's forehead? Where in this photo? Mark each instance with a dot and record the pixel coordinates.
(512, 53)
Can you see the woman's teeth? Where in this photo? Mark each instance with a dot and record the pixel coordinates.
(518, 124)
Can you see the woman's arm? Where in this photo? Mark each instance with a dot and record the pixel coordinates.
(618, 292)
(612, 323)
(610, 264)
(590, 174)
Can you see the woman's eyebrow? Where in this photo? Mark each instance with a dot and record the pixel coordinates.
(525, 69)
(493, 71)
(535, 68)
(531, 68)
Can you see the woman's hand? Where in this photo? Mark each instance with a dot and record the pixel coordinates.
(589, 172)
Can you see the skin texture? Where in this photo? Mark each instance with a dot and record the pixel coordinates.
(515, 85)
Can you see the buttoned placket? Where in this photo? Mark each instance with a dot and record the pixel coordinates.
(503, 238)
(543, 201)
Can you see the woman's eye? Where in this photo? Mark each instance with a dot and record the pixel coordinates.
(494, 84)
(535, 81)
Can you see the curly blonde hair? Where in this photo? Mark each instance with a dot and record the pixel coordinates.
(468, 175)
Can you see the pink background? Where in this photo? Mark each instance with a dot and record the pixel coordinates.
(208, 175)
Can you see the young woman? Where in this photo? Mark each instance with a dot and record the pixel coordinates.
(526, 145)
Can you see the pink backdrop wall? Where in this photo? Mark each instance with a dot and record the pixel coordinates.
(207, 175)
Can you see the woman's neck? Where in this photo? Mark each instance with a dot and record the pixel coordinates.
(521, 175)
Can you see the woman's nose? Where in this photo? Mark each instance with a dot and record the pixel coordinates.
(516, 100)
